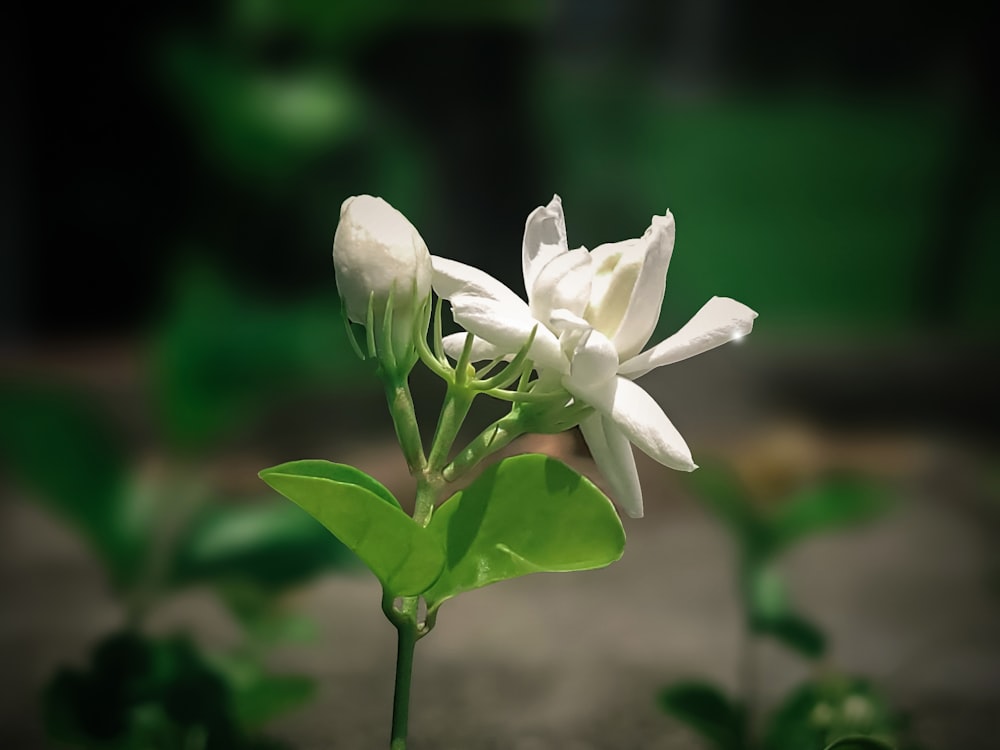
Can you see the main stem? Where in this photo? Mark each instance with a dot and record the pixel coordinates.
(430, 480)
(406, 641)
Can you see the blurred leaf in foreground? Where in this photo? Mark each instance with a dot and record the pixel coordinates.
(63, 451)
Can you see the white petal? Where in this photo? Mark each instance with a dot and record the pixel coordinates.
(640, 418)
(594, 360)
(508, 328)
(719, 321)
(647, 295)
(452, 278)
(562, 283)
(613, 455)
(544, 238)
(481, 350)
(629, 281)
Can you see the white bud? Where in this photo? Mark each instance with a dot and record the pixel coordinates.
(376, 250)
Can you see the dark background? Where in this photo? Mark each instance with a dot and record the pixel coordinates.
(830, 165)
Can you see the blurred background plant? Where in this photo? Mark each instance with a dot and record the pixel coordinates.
(778, 494)
(159, 522)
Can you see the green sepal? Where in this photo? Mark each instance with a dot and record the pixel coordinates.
(366, 517)
(525, 514)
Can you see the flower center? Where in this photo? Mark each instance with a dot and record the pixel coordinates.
(611, 293)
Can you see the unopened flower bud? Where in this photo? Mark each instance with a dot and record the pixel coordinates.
(377, 253)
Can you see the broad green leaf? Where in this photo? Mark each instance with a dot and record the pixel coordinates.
(834, 504)
(62, 449)
(269, 546)
(365, 516)
(342, 473)
(708, 711)
(525, 514)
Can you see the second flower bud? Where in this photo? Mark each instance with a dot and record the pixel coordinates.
(378, 254)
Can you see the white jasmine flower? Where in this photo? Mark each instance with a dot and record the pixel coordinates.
(594, 312)
(377, 252)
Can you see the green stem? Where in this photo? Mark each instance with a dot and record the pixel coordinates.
(748, 680)
(457, 402)
(489, 441)
(405, 644)
(405, 619)
(404, 419)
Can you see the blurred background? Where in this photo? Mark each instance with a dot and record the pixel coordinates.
(172, 176)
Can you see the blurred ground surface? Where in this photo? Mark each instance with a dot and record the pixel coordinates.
(574, 661)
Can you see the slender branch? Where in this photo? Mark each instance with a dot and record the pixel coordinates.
(457, 402)
(404, 419)
(489, 441)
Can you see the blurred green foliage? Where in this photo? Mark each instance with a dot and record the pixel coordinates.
(264, 126)
(60, 446)
(822, 714)
(140, 693)
(158, 524)
(762, 534)
(814, 208)
(220, 358)
(831, 710)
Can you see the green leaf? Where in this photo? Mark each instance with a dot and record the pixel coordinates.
(837, 503)
(270, 546)
(365, 516)
(525, 514)
(61, 448)
(708, 711)
(795, 632)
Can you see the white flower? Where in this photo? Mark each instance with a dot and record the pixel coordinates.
(594, 312)
(377, 252)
